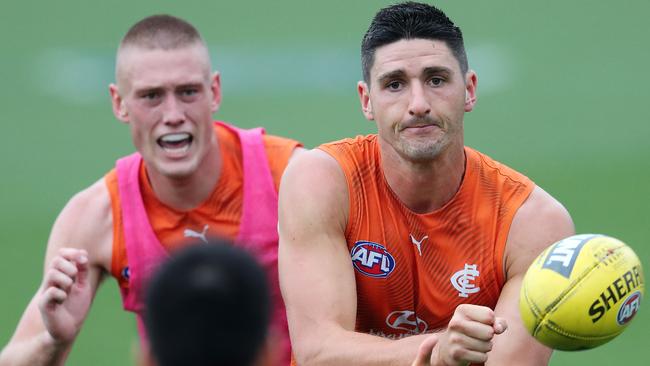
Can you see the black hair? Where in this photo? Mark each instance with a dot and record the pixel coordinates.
(410, 20)
(208, 305)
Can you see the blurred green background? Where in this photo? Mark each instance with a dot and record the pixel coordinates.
(563, 97)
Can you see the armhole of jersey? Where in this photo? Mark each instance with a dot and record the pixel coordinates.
(352, 211)
(278, 152)
(116, 249)
(519, 197)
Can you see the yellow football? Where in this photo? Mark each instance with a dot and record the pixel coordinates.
(581, 292)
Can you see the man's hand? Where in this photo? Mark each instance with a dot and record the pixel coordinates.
(66, 294)
(467, 339)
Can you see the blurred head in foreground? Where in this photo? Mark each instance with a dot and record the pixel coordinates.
(209, 305)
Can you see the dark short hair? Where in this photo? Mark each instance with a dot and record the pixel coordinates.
(410, 20)
(161, 32)
(208, 305)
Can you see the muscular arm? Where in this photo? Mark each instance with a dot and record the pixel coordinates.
(539, 222)
(78, 249)
(316, 275)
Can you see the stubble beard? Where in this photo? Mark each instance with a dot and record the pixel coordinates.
(421, 151)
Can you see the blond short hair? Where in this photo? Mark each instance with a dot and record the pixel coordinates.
(161, 32)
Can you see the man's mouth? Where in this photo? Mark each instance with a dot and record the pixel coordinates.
(176, 142)
(420, 123)
(420, 128)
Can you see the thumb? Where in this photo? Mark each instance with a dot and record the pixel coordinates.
(83, 267)
(423, 358)
(500, 325)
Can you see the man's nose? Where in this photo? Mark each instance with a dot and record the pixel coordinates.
(419, 105)
(173, 111)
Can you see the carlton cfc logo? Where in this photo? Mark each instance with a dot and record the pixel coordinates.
(372, 259)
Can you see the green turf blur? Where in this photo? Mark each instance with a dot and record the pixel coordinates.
(573, 116)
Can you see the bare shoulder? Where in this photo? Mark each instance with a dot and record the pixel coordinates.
(86, 222)
(316, 168)
(540, 221)
(313, 192)
(297, 151)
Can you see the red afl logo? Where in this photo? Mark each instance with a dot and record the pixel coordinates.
(629, 308)
(372, 259)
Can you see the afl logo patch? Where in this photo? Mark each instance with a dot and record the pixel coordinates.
(372, 259)
(629, 308)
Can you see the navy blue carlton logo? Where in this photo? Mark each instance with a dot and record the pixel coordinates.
(372, 259)
(126, 273)
(562, 256)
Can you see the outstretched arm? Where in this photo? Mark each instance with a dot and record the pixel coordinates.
(72, 273)
(316, 275)
(539, 222)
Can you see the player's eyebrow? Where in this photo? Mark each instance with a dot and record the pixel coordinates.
(390, 75)
(427, 72)
(191, 85)
(147, 89)
(437, 70)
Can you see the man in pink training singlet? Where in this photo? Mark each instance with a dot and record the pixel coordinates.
(190, 179)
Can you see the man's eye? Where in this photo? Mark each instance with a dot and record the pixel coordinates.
(436, 81)
(151, 95)
(394, 85)
(189, 92)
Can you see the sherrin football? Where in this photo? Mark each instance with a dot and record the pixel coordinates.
(581, 292)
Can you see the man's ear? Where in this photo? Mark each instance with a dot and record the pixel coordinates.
(364, 98)
(215, 87)
(470, 90)
(119, 109)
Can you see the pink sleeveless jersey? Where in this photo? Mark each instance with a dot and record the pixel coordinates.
(257, 231)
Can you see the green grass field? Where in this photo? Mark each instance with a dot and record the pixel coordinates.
(562, 98)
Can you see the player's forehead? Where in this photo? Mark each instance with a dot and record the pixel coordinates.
(140, 67)
(413, 56)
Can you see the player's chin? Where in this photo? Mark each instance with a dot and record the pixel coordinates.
(178, 169)
(421, 151)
